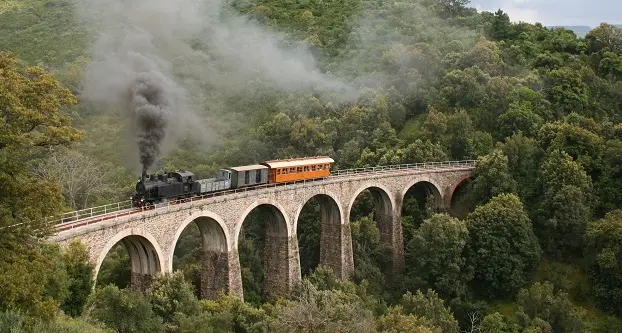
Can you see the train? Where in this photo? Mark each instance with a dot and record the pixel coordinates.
(179, 185)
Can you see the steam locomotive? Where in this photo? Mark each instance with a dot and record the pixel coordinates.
(156, 188)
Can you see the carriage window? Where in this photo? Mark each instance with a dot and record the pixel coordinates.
(247, 177)
(292, 170)
(299, 169)
(257, 176)
(278, 171)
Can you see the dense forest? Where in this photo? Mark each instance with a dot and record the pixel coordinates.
(532, 244)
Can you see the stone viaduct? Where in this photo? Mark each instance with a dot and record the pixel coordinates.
(150, 236)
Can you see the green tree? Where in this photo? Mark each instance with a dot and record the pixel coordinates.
(492, 177)
(80, 271)
(316, 310)
(502, 249)
(521, 118)
(603, 252)
(231, 313)
(497, 323)
(568, 92)
(171, 295)
(30, 100)
(397, 322)
(501, 26)
(431, 307)
(434, 256)
(125, 311)
(605, 37)
(555, 308)
(564, 210)
(370, 255)
(524, 156)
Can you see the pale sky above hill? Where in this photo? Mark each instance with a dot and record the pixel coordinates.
(556, 12)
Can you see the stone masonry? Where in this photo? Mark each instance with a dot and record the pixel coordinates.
(151, 235)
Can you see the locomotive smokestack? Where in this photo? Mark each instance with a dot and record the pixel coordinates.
(143, 176)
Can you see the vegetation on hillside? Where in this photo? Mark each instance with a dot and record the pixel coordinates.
(532, 244)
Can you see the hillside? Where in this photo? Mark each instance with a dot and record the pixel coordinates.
(530, 244)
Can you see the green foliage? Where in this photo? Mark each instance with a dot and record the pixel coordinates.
(123, 310)
(524, 156)
(51, 23)
(397, 322)
(502, 249)
(564, 210)
(170, 296)
(370, 255)
(492, 177)
(569, 278)
(539, 108)
(11, 322)
(434, 256)
(188, 255)
(431, 307)
(604, 248)
(80, 272)
(229, 313)
(309, 232)
(540, 301)
(115, 269)
(314, 310)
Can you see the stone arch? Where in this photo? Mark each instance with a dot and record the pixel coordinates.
(279, 228)
(384, 208)
(281, 266)
(146, 256)
(213, 230)
(430, 185)
(455, 185)
(383, 200)
(465, 204)
(327, 199)
(216, 247)
(331, 221)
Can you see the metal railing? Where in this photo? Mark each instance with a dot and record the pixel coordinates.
(93, 215)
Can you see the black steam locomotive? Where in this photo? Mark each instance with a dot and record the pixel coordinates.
(172, 185)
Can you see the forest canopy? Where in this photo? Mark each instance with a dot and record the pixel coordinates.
(532, 242)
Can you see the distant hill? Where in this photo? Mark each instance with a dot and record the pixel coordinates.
(579, 30)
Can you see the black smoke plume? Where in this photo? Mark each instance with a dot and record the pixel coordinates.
(152, 111)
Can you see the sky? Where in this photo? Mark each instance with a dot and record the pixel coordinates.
(556, 12)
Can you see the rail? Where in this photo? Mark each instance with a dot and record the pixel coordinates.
(93, 215)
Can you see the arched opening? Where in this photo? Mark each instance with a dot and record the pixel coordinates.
(462, 200)
(371, 227)
(116, 268)
(263, 246)
(140, 254)
(420, 201)
(319, 234)
(201, 253)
